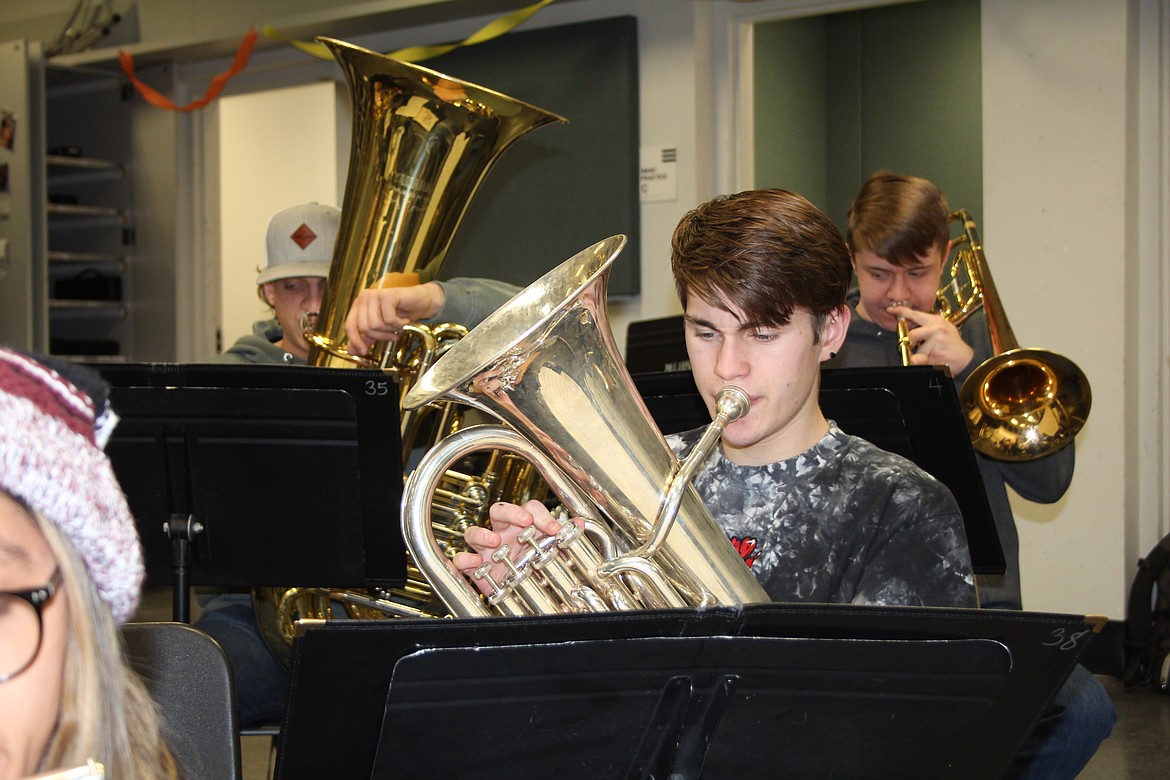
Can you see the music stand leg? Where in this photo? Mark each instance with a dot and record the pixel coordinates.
(181, 530)
(696, 739)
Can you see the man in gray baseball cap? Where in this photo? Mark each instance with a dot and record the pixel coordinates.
(298, 251)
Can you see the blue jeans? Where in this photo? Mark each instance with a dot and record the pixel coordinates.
(261, 680)
(1069, 732)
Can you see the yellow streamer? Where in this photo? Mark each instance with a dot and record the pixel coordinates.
(491, 30)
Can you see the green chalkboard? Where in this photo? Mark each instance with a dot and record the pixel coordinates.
(560, 188)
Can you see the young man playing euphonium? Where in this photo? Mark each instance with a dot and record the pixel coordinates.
(817, 514)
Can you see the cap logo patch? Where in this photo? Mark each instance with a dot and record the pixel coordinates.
(303, 236)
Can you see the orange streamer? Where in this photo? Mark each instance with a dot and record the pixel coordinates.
(159, 100)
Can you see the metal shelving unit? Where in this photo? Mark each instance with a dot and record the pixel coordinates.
(89, 215)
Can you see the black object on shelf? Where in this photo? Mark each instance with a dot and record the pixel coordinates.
(89, 285)
(84, 347)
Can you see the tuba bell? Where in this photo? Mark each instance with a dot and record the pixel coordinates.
(1021, 403)
(421, 144)
(546, 365)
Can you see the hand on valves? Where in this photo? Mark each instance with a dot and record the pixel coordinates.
(379, 312)
(932, 339)
(509, 524)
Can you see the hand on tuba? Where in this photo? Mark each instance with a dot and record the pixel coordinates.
(381, 311)
(506, 538)
(932, 339)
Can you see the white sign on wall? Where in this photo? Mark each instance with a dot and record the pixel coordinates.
(657, 180)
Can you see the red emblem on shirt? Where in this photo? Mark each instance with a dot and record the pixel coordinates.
(746, 547)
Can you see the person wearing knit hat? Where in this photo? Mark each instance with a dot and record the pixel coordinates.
(71, 572)
(298, 248)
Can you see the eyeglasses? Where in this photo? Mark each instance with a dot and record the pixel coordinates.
(20, 626)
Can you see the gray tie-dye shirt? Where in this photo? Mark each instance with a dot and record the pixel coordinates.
(843, 522)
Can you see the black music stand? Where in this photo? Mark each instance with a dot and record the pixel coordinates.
(913, 411)
(260, 475)
(801, 690)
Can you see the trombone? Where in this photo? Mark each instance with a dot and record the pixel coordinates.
(905, 348)
(1021, 403)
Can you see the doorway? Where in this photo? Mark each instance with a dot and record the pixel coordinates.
(277, 148)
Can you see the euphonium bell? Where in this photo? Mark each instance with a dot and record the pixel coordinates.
(546, 364)
(421, 144)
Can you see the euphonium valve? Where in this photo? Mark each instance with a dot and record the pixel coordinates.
(546, 365)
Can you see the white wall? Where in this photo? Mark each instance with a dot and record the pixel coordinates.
(1054, 157)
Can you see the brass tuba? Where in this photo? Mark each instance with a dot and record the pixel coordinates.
(546, 364)
(1021, 403)
(422, 142)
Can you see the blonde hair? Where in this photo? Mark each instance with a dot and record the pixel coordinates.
(106, 713)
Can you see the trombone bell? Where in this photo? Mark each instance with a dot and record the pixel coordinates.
(1024, 404)
(1020, 404)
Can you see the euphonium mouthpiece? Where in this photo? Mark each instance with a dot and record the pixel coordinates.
(731, 404)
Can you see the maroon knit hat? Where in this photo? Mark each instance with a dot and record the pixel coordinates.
(51, 458)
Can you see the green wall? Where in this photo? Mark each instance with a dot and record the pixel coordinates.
(840, 96)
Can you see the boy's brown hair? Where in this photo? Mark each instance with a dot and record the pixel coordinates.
(766, 253)
(898, 218)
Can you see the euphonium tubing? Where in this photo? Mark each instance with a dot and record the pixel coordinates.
(546, 365)
(461, 500)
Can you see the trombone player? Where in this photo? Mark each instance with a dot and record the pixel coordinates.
(899, 241)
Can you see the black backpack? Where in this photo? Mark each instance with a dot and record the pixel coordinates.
(1147, 622)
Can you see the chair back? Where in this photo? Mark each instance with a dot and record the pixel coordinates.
(189, 676)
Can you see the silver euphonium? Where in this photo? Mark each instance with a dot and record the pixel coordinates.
(547, 366)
